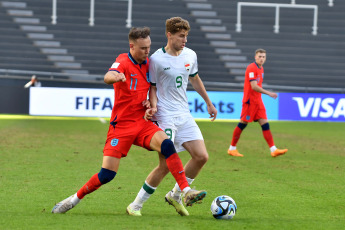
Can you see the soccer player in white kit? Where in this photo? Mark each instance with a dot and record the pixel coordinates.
(170, 69)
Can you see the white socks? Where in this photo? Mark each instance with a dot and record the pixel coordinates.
(75, 200)
(147, 190)
(232, 147)
(143, 195)
(273, 148)
(177, 191)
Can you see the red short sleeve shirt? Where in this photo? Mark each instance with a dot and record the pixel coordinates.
(129, 95)
(253, 73)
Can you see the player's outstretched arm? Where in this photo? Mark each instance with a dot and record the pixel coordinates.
(199, 87)
(112, 77)
(257, 88)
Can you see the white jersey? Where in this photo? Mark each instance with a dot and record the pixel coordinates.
(170, 74)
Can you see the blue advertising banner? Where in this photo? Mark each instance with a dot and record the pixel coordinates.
(228, 104)
(311, 107)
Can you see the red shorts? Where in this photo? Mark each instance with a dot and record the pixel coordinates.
(253, 112)
(121, 137)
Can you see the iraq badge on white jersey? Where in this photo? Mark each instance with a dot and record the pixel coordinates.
(187, 66)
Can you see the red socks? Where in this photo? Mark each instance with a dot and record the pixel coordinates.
(236, 136)
(176, 168)
(268, 137)
(90, 186)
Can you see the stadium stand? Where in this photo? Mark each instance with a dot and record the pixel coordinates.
(72, 51)
(295, 56)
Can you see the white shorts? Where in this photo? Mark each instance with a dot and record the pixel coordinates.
(180, 129)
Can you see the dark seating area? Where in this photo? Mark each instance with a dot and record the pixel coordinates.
(295, 56)
(71, 50)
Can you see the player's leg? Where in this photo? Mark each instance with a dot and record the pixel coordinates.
(106, 174)
(246, 116)
(144, 139)
(188, 137)
(232, 151)
(153, 138)
(198, 152)
(160, 143)
(151, 183)
(165, 146)
(269, 138)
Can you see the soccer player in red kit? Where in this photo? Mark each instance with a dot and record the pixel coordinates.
(253, 108)
(130, 77)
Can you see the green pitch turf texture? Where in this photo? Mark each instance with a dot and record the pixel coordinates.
(44, 160)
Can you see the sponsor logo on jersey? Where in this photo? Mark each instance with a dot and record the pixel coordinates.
(115, 65)
(114, 142)
(132, 75)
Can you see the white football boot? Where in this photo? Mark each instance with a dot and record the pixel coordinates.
(64, 205)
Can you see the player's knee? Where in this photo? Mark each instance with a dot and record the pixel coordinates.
(204, 158)
(265, 126)
(201, 158)
(167, 148)
(241, 125)
(106, 175)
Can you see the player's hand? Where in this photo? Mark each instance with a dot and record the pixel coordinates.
(149, 113)
(273, 95)
(146, 104)
(212, 111)
(120, 77)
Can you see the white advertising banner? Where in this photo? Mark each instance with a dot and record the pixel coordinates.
(77, 102)
(99, 102)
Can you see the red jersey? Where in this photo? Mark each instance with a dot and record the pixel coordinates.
(130, 94)
(253, 73)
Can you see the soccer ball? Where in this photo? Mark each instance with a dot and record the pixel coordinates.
(223, 207)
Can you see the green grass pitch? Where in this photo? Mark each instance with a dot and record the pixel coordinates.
(44, 160)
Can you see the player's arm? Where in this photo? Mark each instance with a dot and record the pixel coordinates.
(27, 85)
(153, 102)
(153, 97)
(199, 87)
(112, 77)
(257, 88)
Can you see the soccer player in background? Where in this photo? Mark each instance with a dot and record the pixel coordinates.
(253, 108)
(129, 76)
(170, 69)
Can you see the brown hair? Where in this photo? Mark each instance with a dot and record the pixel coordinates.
(138, 32)
(176, 24)
(260, 51)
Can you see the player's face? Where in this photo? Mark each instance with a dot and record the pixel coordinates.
(179, 39)
(140, 49)
(260, 58)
